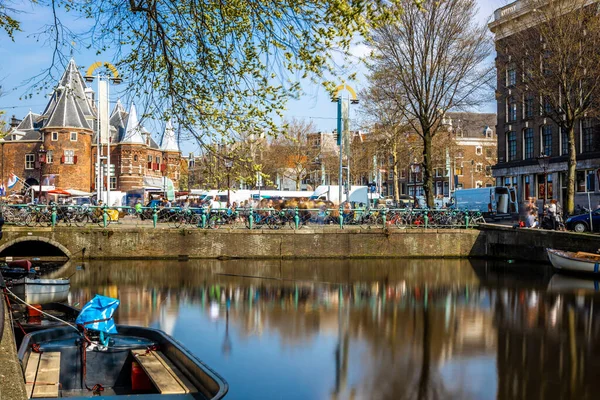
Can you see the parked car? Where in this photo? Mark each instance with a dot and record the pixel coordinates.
(581, 223)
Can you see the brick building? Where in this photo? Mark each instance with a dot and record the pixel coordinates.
(524, 133)
(66, 130)
(468, 157)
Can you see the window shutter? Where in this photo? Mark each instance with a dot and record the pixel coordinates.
(150, 165)
(62, 159)
(74, 159)
(163, 167)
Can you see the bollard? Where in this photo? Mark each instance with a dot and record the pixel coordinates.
(341, 217)
(203, 219)
(251, 218)
(426, 220)
(467, 221)
(53, 216)
(154, 216)
(296, 219)
(104, 216)
(383, 216)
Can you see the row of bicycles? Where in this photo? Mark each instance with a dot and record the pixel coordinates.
(177, 217)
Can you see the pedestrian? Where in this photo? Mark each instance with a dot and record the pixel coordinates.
(530, 221)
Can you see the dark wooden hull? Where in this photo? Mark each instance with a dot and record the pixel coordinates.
(112, 368)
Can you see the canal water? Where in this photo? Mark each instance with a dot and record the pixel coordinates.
(366, 329)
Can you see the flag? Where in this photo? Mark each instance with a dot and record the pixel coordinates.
(2, 189)
(12, 180)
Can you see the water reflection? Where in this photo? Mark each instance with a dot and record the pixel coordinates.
(373, 329)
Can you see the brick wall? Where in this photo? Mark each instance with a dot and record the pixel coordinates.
(75, 175)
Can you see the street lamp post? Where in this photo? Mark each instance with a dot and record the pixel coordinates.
(472, 179)
(228, 165)
(41, 160)
(414, 169)
(544, 162)
(103, 132)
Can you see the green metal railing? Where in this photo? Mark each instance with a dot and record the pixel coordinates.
(243, 218)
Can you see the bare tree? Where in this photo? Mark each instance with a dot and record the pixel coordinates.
(386, 119)
(555, 56)
(293, 155)
(437, 54)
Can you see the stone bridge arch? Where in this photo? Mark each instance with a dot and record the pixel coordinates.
(25, 244)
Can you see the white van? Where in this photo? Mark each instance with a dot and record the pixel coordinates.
(358, 194)
(493, 202)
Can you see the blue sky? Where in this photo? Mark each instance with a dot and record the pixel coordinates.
(26, 57)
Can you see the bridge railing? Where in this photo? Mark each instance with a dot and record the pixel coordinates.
(239, 218)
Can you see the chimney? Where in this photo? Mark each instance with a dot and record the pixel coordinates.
(14, 122)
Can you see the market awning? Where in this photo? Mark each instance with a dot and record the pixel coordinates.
(75, 192)
(36, 188)
(59, 192)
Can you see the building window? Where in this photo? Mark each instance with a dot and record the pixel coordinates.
(528, 143)
(547, 140)
(403, 174)
(587, 135)
(528, 106)
(49, 157)
(459, 154)
(478, 150)
(158, 160)
(489, 152)
(113, 182)
(511, 109)
(458, 169)
(73, 136)
(391, 175)
(488, 170)
(511, 75)
(527, 191)
(478, 167)
(546, 106)
(580, 181)
(564, 142)
(69, 157)
(135, 158)
(511, 139)
(54, 136)
(29, 161)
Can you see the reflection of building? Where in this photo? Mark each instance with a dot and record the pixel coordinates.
(67, 129)
(547, 347)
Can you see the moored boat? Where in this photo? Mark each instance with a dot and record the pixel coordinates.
(96, 357)
(574, 261)
(136, 362)
(40, 290)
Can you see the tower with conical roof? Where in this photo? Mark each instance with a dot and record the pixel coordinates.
(171, 153)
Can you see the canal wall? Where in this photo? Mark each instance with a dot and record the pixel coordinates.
(530, 244)
(491, 241)
(123, 243)
(12, 383)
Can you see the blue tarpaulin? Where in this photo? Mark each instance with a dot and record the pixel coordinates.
(97, 314)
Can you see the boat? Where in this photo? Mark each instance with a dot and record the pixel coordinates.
(17, 269)
(40, 290)
(96, 357)
(41, 316)
(138, 362)
(574, 261)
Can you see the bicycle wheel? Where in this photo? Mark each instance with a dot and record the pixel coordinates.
(273, 222)
(80, 219)
(175, 221)
(30, 220)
